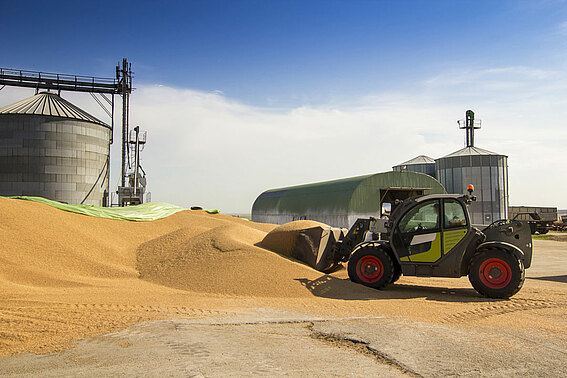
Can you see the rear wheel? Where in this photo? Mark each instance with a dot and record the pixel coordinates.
(496, 273)
(371, 267)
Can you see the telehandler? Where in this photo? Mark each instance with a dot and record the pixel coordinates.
(425, 236)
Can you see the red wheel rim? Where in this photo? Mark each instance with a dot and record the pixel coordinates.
(495, 273)
(369, 269)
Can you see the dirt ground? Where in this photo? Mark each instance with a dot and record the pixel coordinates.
(81, 296)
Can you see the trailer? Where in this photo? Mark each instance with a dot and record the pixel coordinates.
(540, 219)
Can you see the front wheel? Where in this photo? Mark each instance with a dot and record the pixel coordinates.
(371, 267)
(397, 273)
(496, 273)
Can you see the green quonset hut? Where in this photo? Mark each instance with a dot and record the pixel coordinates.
(340, 202)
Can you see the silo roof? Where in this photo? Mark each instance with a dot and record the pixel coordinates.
(472, 151)
(52, 105)
(421, 159)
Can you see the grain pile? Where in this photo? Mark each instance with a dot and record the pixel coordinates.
(45, 247)
(223, 259)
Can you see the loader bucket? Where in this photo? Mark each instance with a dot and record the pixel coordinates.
(310, 242)
(316, 246)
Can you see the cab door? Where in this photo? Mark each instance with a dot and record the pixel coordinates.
(417, 236)
(455, 224)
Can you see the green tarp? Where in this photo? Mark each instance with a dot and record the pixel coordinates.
(144, 212)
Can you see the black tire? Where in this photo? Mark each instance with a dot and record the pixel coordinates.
(371, 266)
(397, 273)
(496, 273)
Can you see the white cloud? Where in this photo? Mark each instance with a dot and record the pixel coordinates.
(205, 149)
(209, 150)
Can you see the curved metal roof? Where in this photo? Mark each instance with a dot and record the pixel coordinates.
(421, 159)
(51, 105)
(354, 194)
(471, 151)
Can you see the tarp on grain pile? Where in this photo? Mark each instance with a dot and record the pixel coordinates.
(144, 212)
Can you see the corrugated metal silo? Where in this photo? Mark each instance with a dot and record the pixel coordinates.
(421, 164)
(487, 171)
(51, 148)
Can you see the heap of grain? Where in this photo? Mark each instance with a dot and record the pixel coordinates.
(224, 259)
(191, 250)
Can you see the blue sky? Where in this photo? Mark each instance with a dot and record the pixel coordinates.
(378, 81)
(281, 52)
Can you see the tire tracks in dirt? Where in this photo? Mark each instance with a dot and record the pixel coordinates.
(49, 326)
(501, 308)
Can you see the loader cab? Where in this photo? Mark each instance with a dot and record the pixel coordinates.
(428, 228)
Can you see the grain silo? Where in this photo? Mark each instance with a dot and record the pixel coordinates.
(51, 148)
(421, 164)
(487, 171)
(340, 202)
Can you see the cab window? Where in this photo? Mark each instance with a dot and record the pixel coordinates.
(423, 217)
(454, 214)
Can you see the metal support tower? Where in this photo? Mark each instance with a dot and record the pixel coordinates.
(124, 78)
